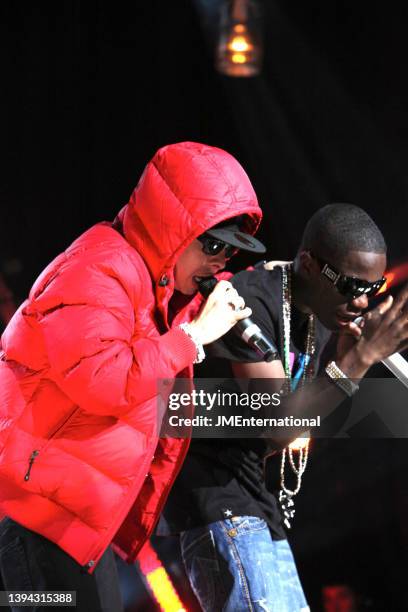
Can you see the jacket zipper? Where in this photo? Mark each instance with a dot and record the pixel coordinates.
(108, 536)
(159, 508)
(165, 493)
(35, 453)
(121, 516)
(33, 456)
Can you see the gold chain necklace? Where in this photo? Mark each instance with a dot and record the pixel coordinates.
(285, 494)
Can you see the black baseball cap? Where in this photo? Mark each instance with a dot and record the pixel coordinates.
(229, 232)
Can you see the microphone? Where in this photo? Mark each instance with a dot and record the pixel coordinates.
(246, 329)
(396, 363)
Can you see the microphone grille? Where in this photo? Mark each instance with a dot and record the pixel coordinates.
(206, 285)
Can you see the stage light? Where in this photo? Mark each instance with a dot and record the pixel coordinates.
(163, 591)
(158, 580)
(388, 280)
(299, 444)
(397, 275)
(239, 50)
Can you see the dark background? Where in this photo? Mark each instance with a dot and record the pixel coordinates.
(91, 89)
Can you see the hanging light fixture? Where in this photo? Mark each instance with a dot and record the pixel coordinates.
(239, 49)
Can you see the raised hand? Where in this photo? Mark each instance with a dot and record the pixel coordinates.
(385, 330)
(354, 330)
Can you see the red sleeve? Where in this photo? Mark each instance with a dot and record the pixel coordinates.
(93, 355)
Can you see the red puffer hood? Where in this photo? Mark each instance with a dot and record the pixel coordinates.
(184, 190)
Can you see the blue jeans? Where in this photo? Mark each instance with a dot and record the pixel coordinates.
(234, 566)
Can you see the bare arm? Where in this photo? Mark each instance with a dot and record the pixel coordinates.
(319, 397)
(385, 331)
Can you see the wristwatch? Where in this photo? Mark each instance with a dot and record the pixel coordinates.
(340, 379)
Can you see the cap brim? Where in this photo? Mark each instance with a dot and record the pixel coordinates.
(238, 239)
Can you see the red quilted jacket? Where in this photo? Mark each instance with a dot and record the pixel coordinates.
(81, 461)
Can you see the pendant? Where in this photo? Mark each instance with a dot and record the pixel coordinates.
(287, 505)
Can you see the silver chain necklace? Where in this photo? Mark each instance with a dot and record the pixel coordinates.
(286, 494)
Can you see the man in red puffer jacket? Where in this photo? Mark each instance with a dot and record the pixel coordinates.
(81, 462)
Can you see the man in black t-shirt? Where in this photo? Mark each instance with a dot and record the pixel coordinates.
(232, 537)
(218, 474)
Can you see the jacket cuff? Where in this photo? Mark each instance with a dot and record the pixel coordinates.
(181, 346)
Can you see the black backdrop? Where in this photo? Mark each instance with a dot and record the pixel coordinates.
(91, 89)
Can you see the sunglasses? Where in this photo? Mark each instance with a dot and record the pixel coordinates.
(349, 286)
(212, 246)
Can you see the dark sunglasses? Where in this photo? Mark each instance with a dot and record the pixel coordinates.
(349, 286)
(212, 246)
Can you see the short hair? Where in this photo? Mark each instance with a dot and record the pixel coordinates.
(336, 229)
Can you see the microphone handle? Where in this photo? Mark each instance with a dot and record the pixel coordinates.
(246, 329)
(395, 363)
(251, 333)
(398, 366)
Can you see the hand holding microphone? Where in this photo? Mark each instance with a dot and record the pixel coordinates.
(243, 325)
(385, 328)
(381, 333)
(397, 326)
(221, 311)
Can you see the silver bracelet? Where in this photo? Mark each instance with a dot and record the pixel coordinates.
(200, 356)
(340, 379)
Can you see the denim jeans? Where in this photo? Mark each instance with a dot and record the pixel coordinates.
(234, 566)
(30, 562)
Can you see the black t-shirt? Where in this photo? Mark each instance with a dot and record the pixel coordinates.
(220, 477)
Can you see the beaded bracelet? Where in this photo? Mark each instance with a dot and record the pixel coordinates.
(186, 327)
